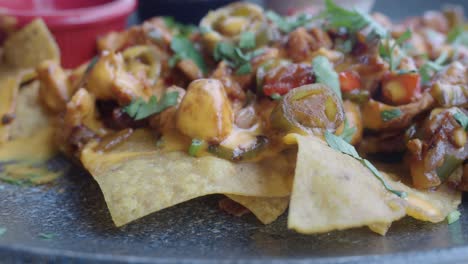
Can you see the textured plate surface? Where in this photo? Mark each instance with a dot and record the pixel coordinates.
(74, 212)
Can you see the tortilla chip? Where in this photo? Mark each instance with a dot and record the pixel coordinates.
(8, 92)
(266, 209)
(427, 205)
(30, 46)
(30, 116)
(326, 198)
(30, 142)
(333, 191)
(137, 183)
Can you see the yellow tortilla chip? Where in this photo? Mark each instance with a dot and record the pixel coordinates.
(347, 194)
(137, 183)
(30, 116)
(427, 205)
(9, 86)
(30, 141)
(266, 209)
(30, 46)
(333, 191)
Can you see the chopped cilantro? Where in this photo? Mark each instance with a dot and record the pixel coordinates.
(386, 50)
(339, 144)
(352, 20)
(195, 147)
(179, 28)
(388, 115)
(290, 23)
(275, 96)
(91, 64)
(46, 236)
(139, 109)
(160, 142)
(205, 29)
(348, 132)
(326, 74)
(346, 46)
(244, 69)
(453, 217)
(183, 48)
(430, 67)
(247, 40)
(462, 119)
(2, 231)
(454, 33)
(235, 56)
(458, 36)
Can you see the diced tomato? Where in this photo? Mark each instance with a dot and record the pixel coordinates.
(399, 89)
(282, 79)
(349, 80)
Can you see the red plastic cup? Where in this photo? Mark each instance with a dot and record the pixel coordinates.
(75, 24)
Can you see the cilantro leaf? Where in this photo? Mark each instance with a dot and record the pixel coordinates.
(235, 57)
(348, 132)
(195, 147)
(388, 115)
(458, 36)
(454, 33)
(247, 40)
(453, 217)
(462, 119)
(346, 46)
(352, 20)
(139, 109)
(179, 28)
(376, 28)
(290, 23)
(386, 50)
(430, 67)
(46, 236)
(244, 69)
(183, 48)
(275, 96)
(326, 74)
(91, 64)
(379, 176)
(339, 144)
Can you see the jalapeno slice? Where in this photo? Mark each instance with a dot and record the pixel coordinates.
(311, 108)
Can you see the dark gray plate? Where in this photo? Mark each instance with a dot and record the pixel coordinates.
(73, 210)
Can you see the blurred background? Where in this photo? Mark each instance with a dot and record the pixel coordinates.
(76, 24)
(190, 11)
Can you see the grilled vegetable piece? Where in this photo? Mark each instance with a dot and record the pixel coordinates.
(443, 139)
(310, 109)
(143, 60)
(450, 86)
(109, 80)
(285, 77)
(228, 23)
(54, 90)
(205, 112)
(349, 81)
(354, 121)
(399, 89)
(380, 116)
